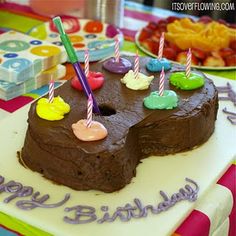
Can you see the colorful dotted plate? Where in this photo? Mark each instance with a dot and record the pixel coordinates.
(96, 36)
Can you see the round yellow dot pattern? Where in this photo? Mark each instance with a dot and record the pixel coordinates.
(45, 51)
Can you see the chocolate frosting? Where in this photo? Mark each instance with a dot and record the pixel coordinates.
(134, 132)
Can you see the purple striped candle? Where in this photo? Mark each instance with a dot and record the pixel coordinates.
(117, 49)
(51, 91)
(89, 111)
(161, 82)
(136, 66)
(188, 63)
(161, 46)
(86, 62)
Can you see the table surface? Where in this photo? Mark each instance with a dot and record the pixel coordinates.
(138, 16)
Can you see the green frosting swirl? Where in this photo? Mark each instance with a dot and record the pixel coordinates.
(180, 80)
(169, 100)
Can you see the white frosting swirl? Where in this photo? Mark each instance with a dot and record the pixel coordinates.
(141, 83)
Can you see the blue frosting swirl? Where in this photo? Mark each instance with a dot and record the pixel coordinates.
(155, 65)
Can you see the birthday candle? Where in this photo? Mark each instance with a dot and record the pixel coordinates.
(117, 49)
(51, 91)
(89, 111)
(86, 62)
(161, 82)
(161, 46)
(136, 65)
(188, 64)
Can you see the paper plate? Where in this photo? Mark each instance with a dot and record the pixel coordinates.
(84, 33)
(193, 66)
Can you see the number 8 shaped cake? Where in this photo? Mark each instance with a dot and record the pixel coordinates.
(134, 131)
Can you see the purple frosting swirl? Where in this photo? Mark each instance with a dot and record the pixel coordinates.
(121, 67)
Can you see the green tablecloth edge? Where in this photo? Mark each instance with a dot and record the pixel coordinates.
(20, 227)
(15, 22)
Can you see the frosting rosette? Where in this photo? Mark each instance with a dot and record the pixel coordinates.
(95, 81)
(141, 83)
(169, 100)
(180, 80)
(97, 131)
(54, 110)
(121, 67)
(155, 65)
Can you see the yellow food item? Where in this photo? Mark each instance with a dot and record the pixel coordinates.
(208, 37)
(52, 111)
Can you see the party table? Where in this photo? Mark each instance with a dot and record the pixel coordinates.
(214, 213)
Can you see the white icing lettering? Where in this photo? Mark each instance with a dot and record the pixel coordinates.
(81, 212)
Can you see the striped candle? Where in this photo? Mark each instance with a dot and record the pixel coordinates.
(161, 46)
(51, 91)
(117, 49)
(136, 66)
(188, 64)
(161, 82)
(86, 61)
(89, 111)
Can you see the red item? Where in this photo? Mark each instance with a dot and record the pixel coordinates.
(93, 27)
(145, 34)
(225, 52)
(198, 53)
(95, 80)
(223, 22)
(171, 19)
(233, 45)
(15, 103)
(173, 46)
(228, 180)
(169, 53)
(151, 25)
(151, 45)
(71, 21)
(231, 60)
(205, 19)
(199, 222)
(182, 58)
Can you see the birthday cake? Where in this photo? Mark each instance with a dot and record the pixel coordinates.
(134, 132)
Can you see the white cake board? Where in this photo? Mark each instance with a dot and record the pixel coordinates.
(204, 165)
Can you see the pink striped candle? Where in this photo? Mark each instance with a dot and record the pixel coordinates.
(161, 82)
(89, 111)
(188, 64)
(51, 91)
(161, 46)
(117, 49)
(136, 66)
(86, 62)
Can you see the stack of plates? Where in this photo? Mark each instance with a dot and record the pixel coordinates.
(9, 90)
(27, 63)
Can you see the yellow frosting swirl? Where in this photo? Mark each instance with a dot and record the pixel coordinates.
(141, 83)
(52, 111)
